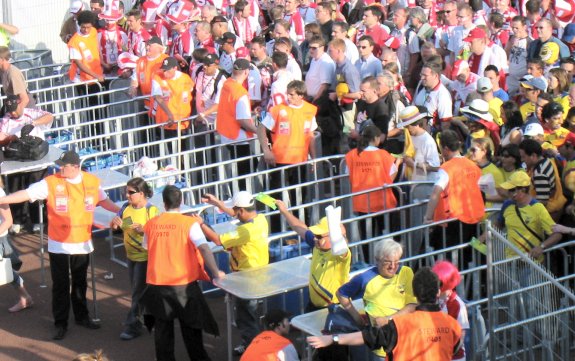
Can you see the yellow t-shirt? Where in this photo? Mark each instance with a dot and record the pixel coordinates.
(495, 110)
(132, 240)
(381, 296)
(557, 136)
(526, 109)
(535, 215)
(326, 275)
(248, 244)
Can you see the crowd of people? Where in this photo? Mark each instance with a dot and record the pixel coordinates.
(475, 97)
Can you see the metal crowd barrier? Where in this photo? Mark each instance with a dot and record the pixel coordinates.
(530, 310)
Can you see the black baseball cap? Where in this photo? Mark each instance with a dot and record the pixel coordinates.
(219, 19)
(169, 63)
(68, 157)
(228, 37)
(241, 64)
(211, 59)
(274, 317)
(11, 103)
(154, 40)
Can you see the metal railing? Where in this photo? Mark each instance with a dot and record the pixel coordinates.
(530, 310)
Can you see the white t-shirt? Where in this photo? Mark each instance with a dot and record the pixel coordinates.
(39, 191)
(206, 95)
(321, 71)
(426, 152)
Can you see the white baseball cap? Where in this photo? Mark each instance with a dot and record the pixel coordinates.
(76, 7)
(484, 85)
(533, 129)
(243, 199)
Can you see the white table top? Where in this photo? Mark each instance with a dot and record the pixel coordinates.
(273, 279)
(110, 178)
(312, 323)
(14, 166)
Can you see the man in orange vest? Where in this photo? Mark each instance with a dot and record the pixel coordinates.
(455, 194)
(146, 68)
(273, 343)
(84, 51)
(177, 252)
(426, 334)
(72, 196)
(291, 126)
(234, 121)
(171, 99)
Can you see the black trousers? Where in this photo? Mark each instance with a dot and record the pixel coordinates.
(293, 176)
(245, 166)
(63, 268)
(164, 338)
(25, 213)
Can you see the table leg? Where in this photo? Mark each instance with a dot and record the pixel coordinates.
(95, 317)
(229, 310)
(42, 265)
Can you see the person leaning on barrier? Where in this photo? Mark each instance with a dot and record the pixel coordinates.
(13, 81)
(456, 193)
(386, 289)
(72, 196)
(426, 334)
(327, 272)
(84, 50)
(249, 249)
(146, 68)
(177, 253)
(273, 343)
(528, 223)
(16, 118)
(171, 97)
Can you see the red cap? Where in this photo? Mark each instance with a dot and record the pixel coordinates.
(458, 68)
(393, 43)
(243, 53)
(182, 13)
(475, 33)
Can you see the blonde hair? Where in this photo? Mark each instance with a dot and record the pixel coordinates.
(98, 355)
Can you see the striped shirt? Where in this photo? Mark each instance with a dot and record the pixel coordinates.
(543, 180)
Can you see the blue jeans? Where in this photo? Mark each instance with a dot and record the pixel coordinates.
(137, 271)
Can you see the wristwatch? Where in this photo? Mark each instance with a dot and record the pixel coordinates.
(335, 339)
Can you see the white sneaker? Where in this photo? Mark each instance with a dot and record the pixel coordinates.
(15, 228)
(36, 228)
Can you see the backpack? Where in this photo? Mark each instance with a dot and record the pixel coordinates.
(125, 205)
(27, 147)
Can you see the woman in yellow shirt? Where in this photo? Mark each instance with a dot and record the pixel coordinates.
(131, 220)
(481, 153)
(559, 87)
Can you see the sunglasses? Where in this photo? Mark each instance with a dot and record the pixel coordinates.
(130, 192)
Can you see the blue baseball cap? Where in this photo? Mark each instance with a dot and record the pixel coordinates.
(569, 33)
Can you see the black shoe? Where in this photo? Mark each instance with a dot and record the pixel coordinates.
(60, 333)
(88, 324)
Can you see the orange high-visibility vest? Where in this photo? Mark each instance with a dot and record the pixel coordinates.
(292, 133)
(265, 347)
(226, 121)
(425, 336)
(88, 48)
(462, 198)
(71, 208)
(173, 259)
(177, 95)
(368, 170)
(146, 69)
